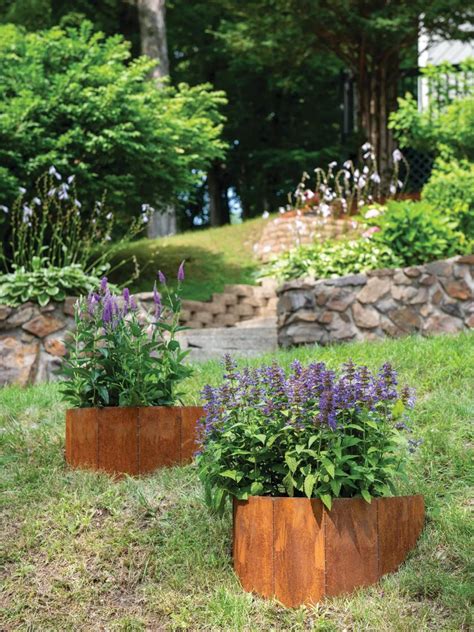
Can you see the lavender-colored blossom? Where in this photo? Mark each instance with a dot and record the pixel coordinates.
(53, 172)
(157, 302)
(161, 277)
(181, 272)
(104, 284)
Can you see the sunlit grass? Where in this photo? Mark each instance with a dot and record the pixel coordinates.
(80, 552)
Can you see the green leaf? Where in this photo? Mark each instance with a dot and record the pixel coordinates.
(366, 495)
(256, 488)
(336, 488)
(291, 462)
(309, 483)
(327, 500)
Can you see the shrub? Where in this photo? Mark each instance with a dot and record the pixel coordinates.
(417, 233)
(450, 189)
(75, 99)
(332, 258)
(307, 433)
(115, 358)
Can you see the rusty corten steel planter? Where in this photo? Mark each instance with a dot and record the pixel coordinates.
(295, 550)
(131, 440)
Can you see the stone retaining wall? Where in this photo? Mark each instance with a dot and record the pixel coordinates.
(288, 231)
(432, 298)
(32, 337)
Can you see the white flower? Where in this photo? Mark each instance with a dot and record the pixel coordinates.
(298, 213)
(265, 214)
(400, 184)
(372, 212)
(397, 155)
(309, 195)
(366, 146)
(22, 190)
(53, 172)
(281, 209)
(332, 164)
(70, 179)
(347, 175)
(365, 170)
(4, 209)
(347, 164)
(109, 216)
(145, 219)
(361, 182)
(393, 189)
(375, 177)
(27, 213)
(77, 203)
(36, 201)
(360, 203)
(356, 174)
(325, 210)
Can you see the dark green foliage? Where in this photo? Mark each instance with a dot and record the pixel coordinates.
(418, 233)
(74, 99)
(333, 258)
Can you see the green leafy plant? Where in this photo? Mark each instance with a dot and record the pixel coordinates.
(116, 357)
(74, 98)
(418, 233)
(450, 190)
(43, 284)
(332, 258)
(307, 433)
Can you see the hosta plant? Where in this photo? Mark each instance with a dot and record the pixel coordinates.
(307, 432)
(119, 357)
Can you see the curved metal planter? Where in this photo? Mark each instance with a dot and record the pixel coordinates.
(131, 440)
(295, 550)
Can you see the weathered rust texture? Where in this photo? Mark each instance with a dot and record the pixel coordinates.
(295, 550)
(82, 438)
(118, 440)
(400, 522)
(159, 437)
(298, 540)
(253, 544)
(131, 440)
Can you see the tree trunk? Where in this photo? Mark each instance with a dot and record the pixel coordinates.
(152, 19)
(377, 98)
(219, 213)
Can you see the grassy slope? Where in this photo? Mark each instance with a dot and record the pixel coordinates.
(214, 257)
(84, 553)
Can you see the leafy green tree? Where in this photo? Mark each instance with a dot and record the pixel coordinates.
(372, 38)
(282, 115)
(75, 99)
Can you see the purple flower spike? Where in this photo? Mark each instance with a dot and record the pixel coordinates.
(103, 284)
(126, 295)
(157, 301)
(161, 277)
(181, 272)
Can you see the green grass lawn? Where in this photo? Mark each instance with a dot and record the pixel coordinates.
(81, 552)
(214, 257)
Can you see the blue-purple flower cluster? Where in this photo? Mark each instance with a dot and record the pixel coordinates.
(108, 307)
(312, 394)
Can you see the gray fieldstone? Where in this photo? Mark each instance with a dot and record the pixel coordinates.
(365, 317)
(374, 290)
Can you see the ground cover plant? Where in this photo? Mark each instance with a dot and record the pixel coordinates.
(81, 551)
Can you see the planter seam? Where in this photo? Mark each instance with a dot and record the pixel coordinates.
(273, 546)
(324, 548)
(139, 465)
(97, 422)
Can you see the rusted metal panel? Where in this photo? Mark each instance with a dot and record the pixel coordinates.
(82, 438)
(253, 544)
(298, 551)
(159, 437)
(118, 440)
(190, 416)
(400, 522)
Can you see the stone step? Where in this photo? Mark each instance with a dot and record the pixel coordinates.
(242, 342)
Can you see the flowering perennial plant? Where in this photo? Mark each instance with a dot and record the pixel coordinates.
(309, 432)
(118, 357)
(343, 191)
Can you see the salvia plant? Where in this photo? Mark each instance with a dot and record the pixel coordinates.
(306, 432)
(341, 191)
(120, 356)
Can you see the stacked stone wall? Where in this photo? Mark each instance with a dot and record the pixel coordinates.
(433, 298)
